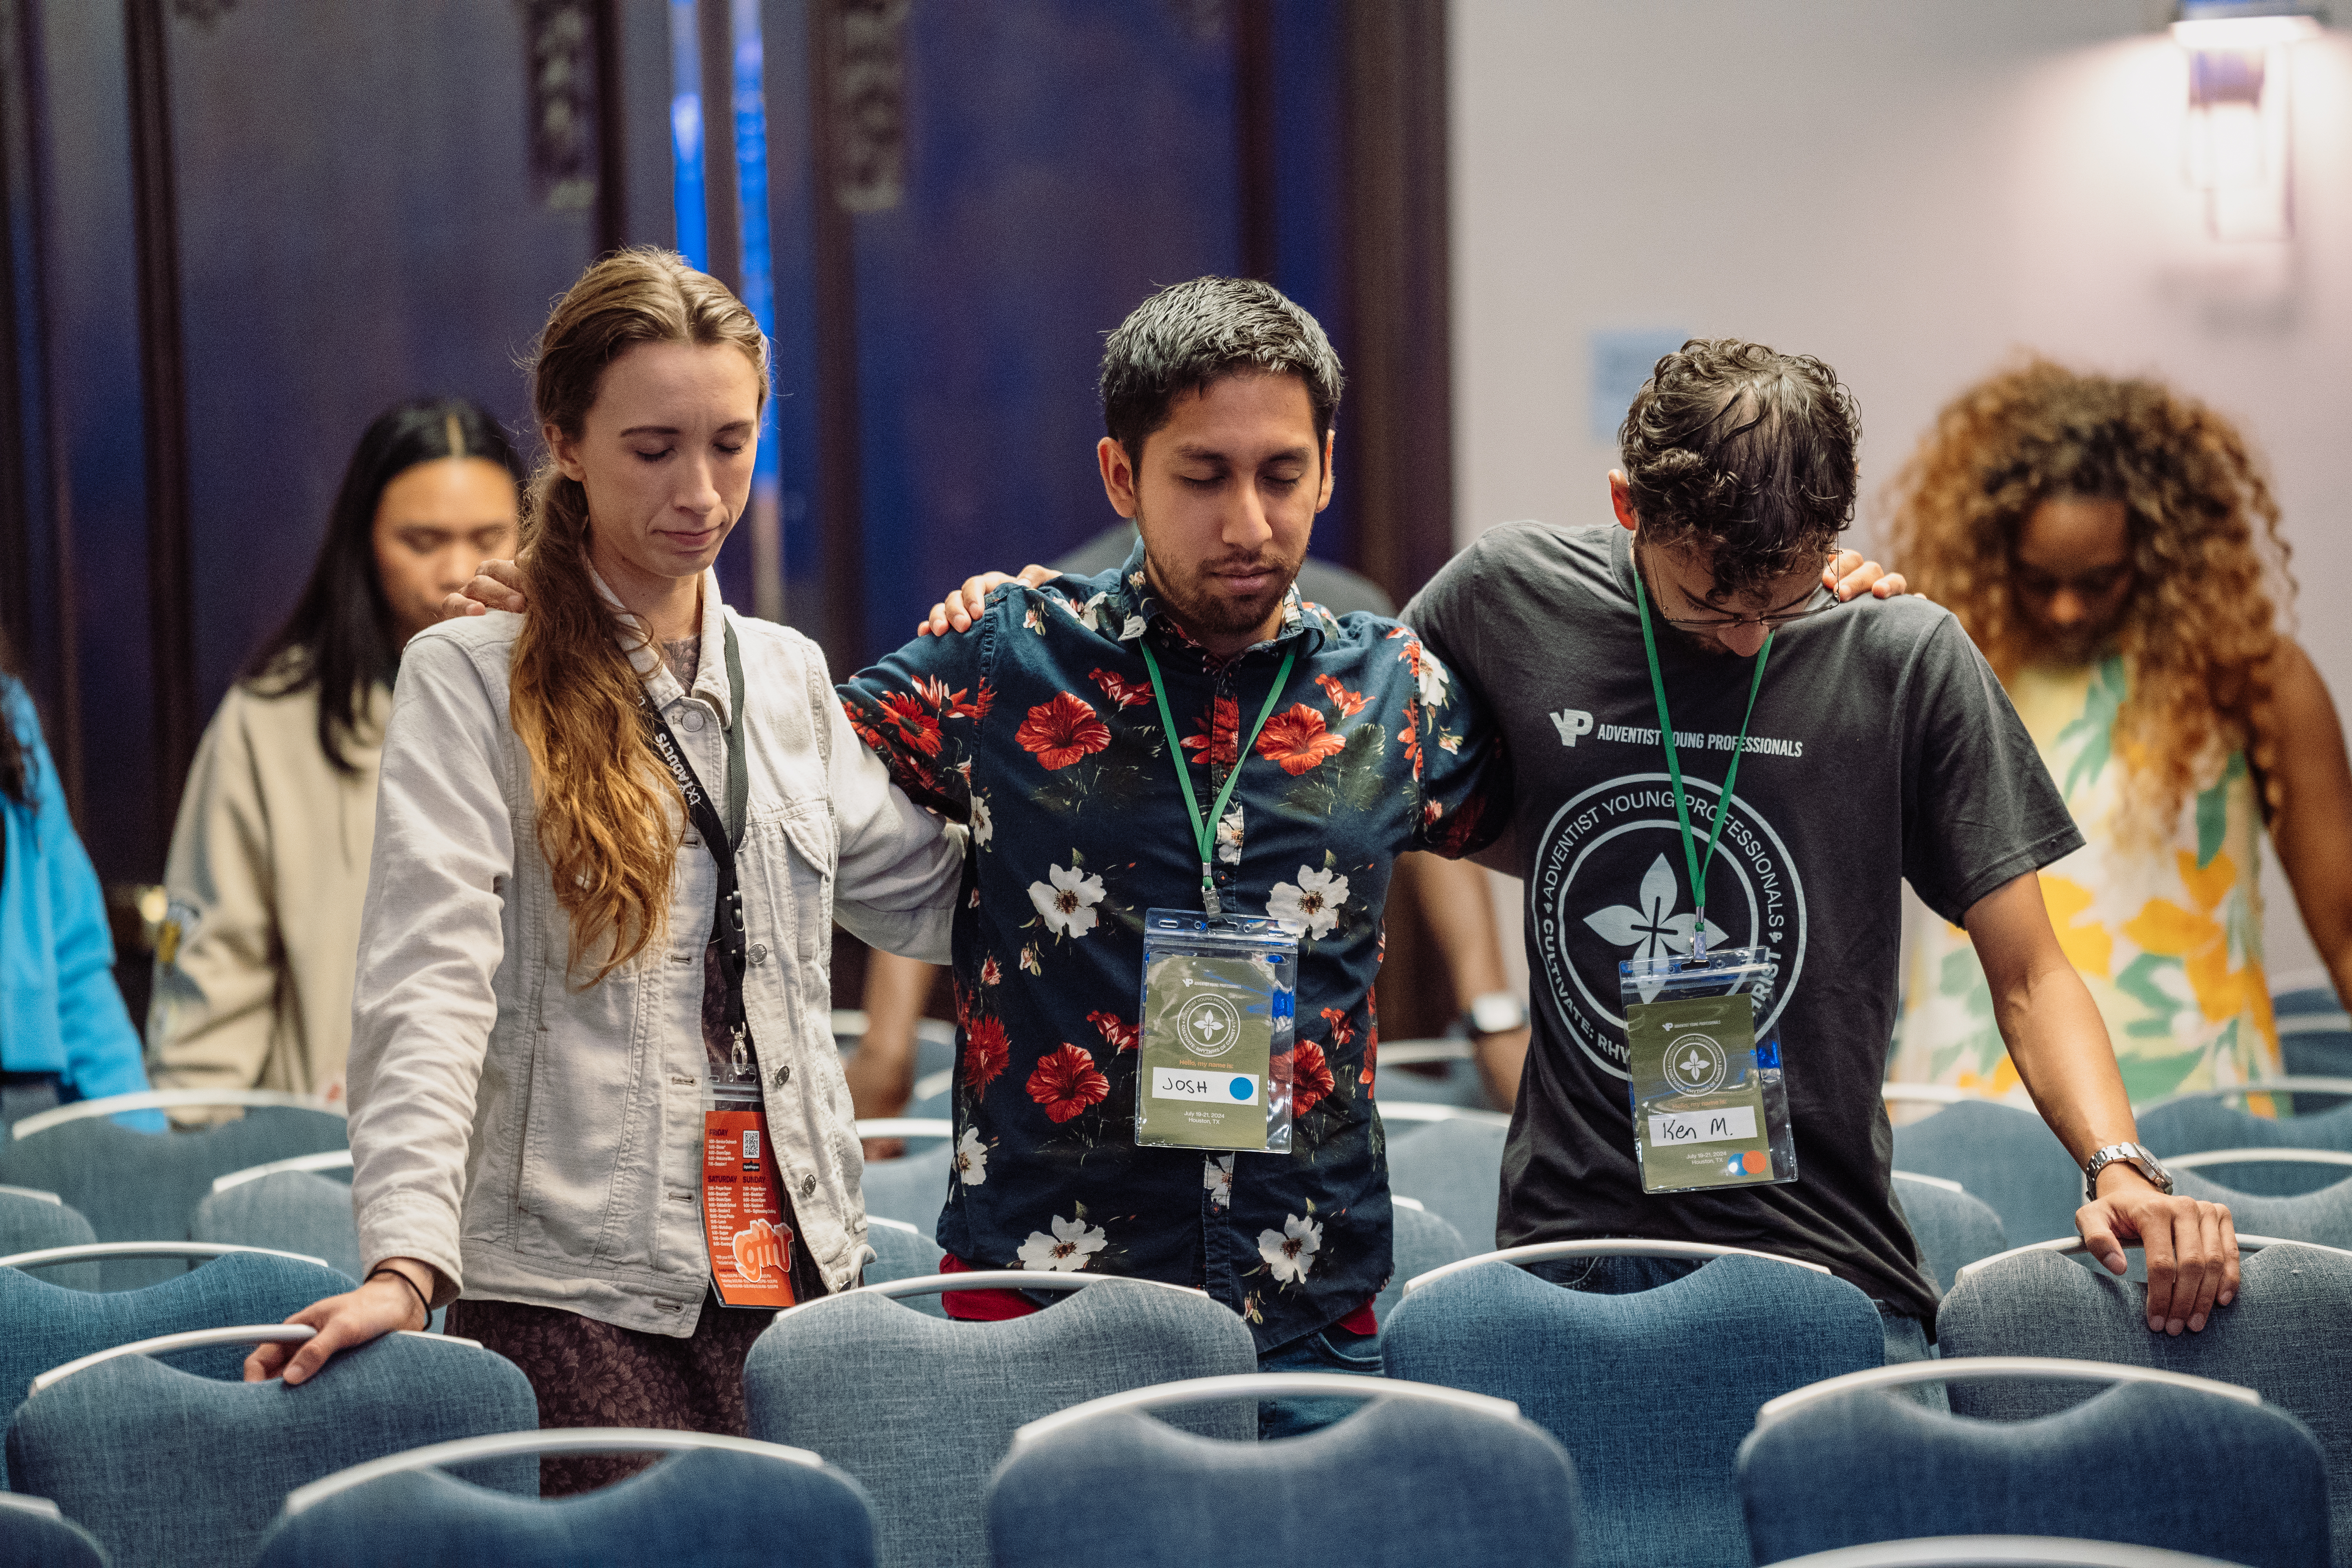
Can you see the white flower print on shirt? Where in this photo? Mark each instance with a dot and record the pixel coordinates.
(1068, 905)
(1432, 676)
(1312, 905)
(1067, 1250)
(1217, 1176)
(971, 1159)
(1290, 1251)
(983, 825)
(1229, 836)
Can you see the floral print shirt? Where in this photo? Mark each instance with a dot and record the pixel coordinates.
(1038, 728)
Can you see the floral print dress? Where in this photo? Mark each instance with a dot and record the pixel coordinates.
(2165, 931)
(1038, 728)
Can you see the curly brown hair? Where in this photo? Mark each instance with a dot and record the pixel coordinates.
(1746, 451)
(2208, 563)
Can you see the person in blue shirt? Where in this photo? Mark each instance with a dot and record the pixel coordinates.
(64, 1032)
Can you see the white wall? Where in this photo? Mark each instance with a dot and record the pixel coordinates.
(1911, 189)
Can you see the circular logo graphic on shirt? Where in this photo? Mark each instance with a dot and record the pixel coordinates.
(1611, 885)
(1210, 1024)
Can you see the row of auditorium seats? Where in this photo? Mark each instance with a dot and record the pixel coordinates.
(1739, 1413)
(1447, 1159)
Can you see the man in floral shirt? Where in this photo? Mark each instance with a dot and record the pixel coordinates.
(1038, 727)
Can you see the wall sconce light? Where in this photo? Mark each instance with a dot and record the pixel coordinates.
(2238, 146)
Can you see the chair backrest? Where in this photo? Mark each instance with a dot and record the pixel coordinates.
(1405, 1481)
(97, 1440)
(1423, 1241)
(1651, 1393)
(33, 1222)
(2323, 1217)
(1455, 1167)
(144, 1186)
(44, 1325)
(912, 1188)
(1952, 1227)
(902, 1251)
(920, 1410)
(2000, 1551)
(2315, 1035)
(294, 1211)
(717, 1502)
(2200, 1124)
(34, 1534)
(334, 1163)
(2006, 1158)
(2284, 1337)
(1863, 1467)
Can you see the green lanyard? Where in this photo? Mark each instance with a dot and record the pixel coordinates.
(1698, 867)
(1204, 831)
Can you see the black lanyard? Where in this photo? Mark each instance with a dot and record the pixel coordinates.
(727, 921)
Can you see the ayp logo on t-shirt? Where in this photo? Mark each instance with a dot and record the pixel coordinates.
(1609, 885)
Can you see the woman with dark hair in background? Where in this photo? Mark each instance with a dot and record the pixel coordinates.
(63, 1034)
(269, 858)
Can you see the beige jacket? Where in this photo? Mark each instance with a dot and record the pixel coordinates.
(267, 870)
(542, 1143)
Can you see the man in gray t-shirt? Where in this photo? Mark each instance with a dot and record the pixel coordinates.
(1880, 748)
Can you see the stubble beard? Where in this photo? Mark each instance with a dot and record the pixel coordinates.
(1200, 610)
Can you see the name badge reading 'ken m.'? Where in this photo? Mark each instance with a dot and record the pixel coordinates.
(1699, 1106)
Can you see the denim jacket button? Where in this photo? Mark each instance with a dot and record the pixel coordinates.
(808, 1185)
(759, 952)
(784, 1075)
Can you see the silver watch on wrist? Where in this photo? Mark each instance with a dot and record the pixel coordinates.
(1496, 1013)
(2131, 1154)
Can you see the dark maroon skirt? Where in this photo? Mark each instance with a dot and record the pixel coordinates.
(591, 1373)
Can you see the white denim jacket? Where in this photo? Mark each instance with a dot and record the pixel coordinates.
(542, 1143)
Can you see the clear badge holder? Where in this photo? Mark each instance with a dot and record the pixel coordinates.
(1710, 1100)
(1213, 1059)
(750, 1245)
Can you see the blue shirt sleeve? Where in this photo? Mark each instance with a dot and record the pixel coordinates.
(102, 1050)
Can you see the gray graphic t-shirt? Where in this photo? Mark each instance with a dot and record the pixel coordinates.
(1882, 749)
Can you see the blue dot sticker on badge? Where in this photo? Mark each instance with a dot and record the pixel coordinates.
(1244, 1088)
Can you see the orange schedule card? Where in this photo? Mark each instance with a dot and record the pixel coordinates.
(742, 1218)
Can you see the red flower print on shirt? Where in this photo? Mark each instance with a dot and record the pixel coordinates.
(1220, 733)
(1121, 1035)
(914, 725)
(1122, 693)
(1062, 732)
(1410, 737)
(1308, 1075)
(989, 973)
(985, 1049)
(1066, 1083)
(1342, 1031)
(1349, 703)
(1297, 739)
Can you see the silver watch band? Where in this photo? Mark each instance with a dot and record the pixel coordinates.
(2132, 1154)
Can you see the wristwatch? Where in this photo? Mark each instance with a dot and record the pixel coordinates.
(2131, 1154)
(1496, 1013)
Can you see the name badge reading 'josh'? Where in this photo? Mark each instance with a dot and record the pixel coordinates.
(1699, 1106)
(1208, 1041)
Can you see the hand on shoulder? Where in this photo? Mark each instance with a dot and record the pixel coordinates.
(497, 585)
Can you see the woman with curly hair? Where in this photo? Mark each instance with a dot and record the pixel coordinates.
(2114, 548)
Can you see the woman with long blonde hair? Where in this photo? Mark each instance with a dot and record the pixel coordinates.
(2113, 547)
(612, 839)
